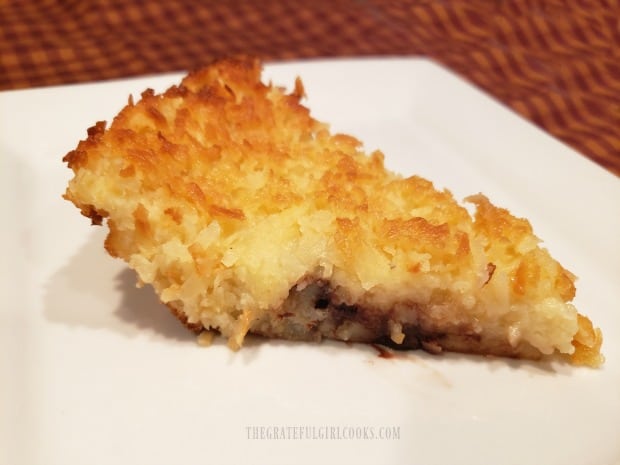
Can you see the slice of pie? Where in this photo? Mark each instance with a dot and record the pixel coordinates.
(248, 216)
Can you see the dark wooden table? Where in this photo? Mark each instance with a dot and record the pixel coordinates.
(555, 62)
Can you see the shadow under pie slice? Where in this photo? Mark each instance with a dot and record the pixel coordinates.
(247, 215)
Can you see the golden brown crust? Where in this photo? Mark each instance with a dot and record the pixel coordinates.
(197, 328)
(587, 342)
(225, 194)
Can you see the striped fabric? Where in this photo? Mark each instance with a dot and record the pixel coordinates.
(556, 62)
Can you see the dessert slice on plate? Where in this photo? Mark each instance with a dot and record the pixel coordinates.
(248, 216)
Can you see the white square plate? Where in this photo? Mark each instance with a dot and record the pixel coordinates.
(95, 371)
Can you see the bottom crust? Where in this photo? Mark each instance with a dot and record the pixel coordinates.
(315, 311)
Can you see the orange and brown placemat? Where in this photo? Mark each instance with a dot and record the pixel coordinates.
(556, 62)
